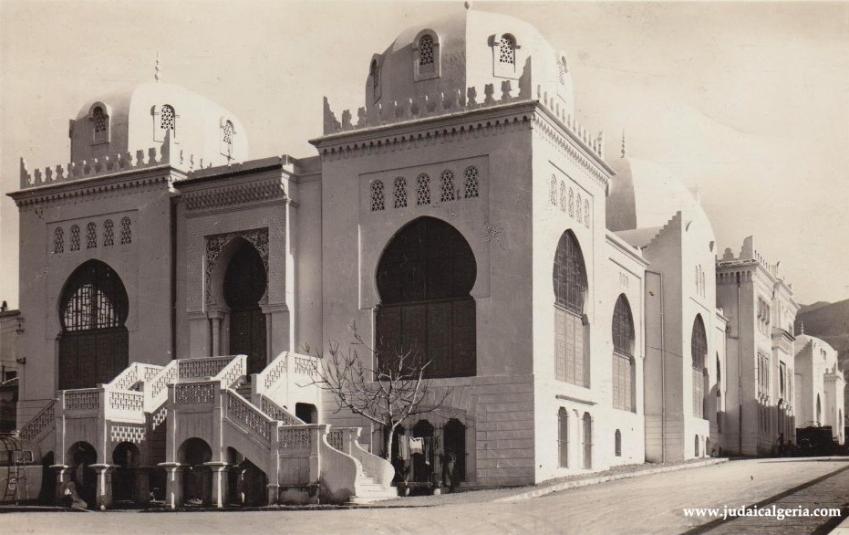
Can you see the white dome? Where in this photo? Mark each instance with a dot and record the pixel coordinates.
(466, 48)
(134, 120)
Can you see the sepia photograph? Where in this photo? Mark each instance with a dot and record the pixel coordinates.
(424, 267)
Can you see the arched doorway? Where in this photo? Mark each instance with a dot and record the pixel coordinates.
(424, 279)
(93, 344)
(197, 480)
(454, 444)
(587, 435)
(126, 458)
(82, 455)
(246, 482)
(306, 412)
(400, 454)
(819, 412)
(423, 458)
(245, 283)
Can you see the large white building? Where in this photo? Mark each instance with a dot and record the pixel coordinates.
(567, 301)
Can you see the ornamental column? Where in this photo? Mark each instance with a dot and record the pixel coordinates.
(215, 317)
(173, 484)
(219, 483)
(104, 485)
(63, 476)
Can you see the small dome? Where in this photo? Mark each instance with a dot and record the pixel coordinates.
(644, 194)
(139, 119)
(465, 49)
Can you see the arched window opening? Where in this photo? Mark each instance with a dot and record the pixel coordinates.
(587, 435)
(58, 240)
(472, 182)
(454, 438)
(563, 437)
(167, 118)
(422, 190)
(377, 197)
(126, 231)
(75, 237)
(82, 456)
(623, 357)
(552, 191)
(617, 443)
(245, 284)
(90, 236)
(698, 353)
(447, 186)
(424, 279)
(571, 331)
(426, 50)
(374, 73)
(400, 192)
(197, 477)
(93, 345)
(100, 125)
(108, 233)
(507, 50)
(125, 459)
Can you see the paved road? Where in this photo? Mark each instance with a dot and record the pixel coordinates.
(645, 505)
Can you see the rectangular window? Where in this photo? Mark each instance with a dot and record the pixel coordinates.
(569, 347)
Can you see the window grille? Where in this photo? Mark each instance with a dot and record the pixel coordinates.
(447, 186)
(422, 190)
(58, 240)
(400, 192)
(108, 233)
(377, 199)
(472, 182)
(91, 236)
(507, 50)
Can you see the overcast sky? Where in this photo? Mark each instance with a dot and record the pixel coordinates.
(748, 102)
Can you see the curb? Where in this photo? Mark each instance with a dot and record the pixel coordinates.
(566, 485)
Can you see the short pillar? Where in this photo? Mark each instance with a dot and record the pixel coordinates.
(173, 484)
(63, 475)
(104, 485)
(219, 483)
(273, 493)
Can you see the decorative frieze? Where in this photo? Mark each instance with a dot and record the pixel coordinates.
(293, 438)
(231, 195)
(194, 393)
(126, 433)
(86, 399)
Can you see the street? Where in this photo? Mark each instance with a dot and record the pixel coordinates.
(652, 504)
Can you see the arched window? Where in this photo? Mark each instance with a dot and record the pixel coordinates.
(377, 198)
(93, 345)
(167, 118)
(472, 182)
(108, 233)
(75, 237)
(422, 190)
(447, 186)
(563, 437)
(58, 240)
(617, 443)
(507, 50)
(126, 231)
(562, 196)
(426, 50)
(571, 336)
(424, 278)
(552, 191)
(90, 236)
(698, 353)
(623, 355)
(374, 73)
(100, 125)
(400, 192)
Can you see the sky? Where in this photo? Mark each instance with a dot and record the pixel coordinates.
(747, 103)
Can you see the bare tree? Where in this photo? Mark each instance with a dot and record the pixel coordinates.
(388, 394)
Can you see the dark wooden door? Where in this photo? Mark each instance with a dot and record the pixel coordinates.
(247, 336)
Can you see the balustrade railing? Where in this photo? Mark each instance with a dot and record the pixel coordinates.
(198, 368)
(45, 419)
(295, 437)
(268, 378)
(335, 437)
(82, 399)
(233, 371)
(156, 390)
(276, 412)
(200, 393)
(249, 417)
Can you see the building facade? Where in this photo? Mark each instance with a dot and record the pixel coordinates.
(464, 215)
(820, 386)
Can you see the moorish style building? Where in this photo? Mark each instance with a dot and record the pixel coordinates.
(462, 213)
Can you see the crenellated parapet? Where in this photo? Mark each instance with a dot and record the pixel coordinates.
(142, 159)
(447, 103)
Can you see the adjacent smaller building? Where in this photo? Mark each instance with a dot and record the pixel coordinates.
(10, 328)
(819, 386)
